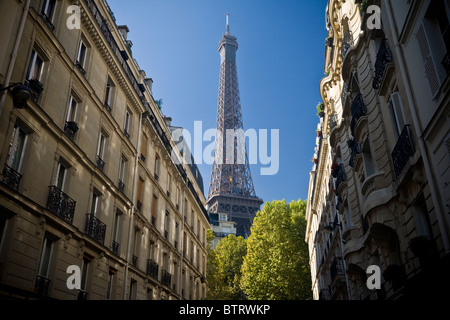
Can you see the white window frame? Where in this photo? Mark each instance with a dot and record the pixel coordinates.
(10, 160)
(32, 66)
(81, 56)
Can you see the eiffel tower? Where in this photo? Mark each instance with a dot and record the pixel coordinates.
(231, 187)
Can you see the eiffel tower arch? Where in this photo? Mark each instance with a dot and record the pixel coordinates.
(231, 188)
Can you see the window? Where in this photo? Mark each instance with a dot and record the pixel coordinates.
(144, 143)
(223, 217)
(169, 184)
(133, 289)
(122, 170)
(46, 254)
(110, 284)
(47, 12)
(95, 203)
(85, 265)
(101, 151)
(178, 198)
(127, 124)
(154, 206)
(72, 110)
(395, 104)
(368, 160)
(16, 148)
(433, 38)
(422, 218)
(177, 234)
(35, 67)
(81, 55)
(61, 176)
(109, 94)
(139, 193)
(136, 246)
(156, 166)
(166, 224)
(116, 231)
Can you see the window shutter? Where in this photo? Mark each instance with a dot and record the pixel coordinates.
(428, 60)
(397, 110)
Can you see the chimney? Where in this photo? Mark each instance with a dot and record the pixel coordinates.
(123, 31)
(149, 83)
(168, 121)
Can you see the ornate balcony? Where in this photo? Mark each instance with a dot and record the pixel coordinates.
(166, 279)
(41, 285)
(70, 129)
(355, 148)
(337, 269)
(36, 88)
(152, 269)
(11, 177)
(346, 44)
(95, 228)
(359, 109)
(100, 163)
(115, 247)
(403, 151)
(340, 175)
(60, 204)
(384, 56)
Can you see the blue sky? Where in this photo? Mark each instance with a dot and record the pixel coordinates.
(280, 63)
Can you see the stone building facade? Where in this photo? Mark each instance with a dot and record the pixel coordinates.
(91, 176)
(379, 193)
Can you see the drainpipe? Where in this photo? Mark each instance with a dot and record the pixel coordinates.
(12, 62)
(398, 50)
(133, 197)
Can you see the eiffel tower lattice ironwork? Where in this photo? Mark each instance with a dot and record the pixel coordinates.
(231, 187)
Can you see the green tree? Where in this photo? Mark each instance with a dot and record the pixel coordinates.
(224, 268)
(276, 266)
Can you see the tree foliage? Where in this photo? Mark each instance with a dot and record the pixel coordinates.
(224, 267)
(276, 266)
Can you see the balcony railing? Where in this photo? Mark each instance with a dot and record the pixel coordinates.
(36, 88)
(60, 204)
(404, 149)
(115, 247)
(100, 163)
(166, 278)
(346, 44)
(152, 269)
(80, 67)
(333, 121)
(340, 175)
(121, 186)
(337, 268)
(384, 56)
(70, 129)
(11, 177)
(95, 228)
(47, 21)
(359, 109)
(134, 260)
(41, 286)
(355, 148)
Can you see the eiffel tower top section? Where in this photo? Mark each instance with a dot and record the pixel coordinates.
(231, 187)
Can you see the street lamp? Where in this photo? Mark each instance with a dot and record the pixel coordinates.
(330, 228)
(20, 94)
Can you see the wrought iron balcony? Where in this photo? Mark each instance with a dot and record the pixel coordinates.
(47, 21)
(384, 56)
(152, 269)
(166, 278)
(60, 204)
(355, 148)
(100, 163)
(36, 88)
(359, 109)
(82, 295)
(403, 151)
(80, 67)
(332, 121)
(95, 228)
(121, 186)
(339, 174)
(346, 44)
(41, 285)
(337, 268)
(70, 129)
(115, 247)
(134, 260)
(11, 177)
